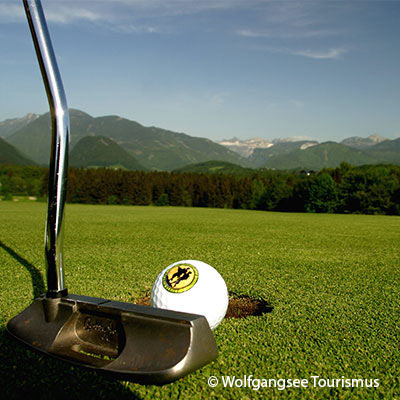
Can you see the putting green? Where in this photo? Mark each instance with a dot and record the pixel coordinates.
(333, 282)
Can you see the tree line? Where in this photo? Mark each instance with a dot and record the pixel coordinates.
(369, 189)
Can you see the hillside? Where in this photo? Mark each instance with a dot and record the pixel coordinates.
(153, 147)
(99, 151)
(260, 156)
(10, 155)
(386, 151)
(328, 154)
(9, 126)
(157, 148)
(35, 138)
(216, 167)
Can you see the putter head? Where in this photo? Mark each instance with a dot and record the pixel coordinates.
(127, 341)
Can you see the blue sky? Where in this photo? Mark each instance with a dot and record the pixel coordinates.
(222, 68)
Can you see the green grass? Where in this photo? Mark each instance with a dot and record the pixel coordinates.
(333, 280)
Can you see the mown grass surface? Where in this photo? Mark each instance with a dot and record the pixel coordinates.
(333, 280)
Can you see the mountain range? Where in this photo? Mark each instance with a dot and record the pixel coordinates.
(260, 156)
(304, 153)
(328, 154)
(153, 148)
(247, 147)
(113, 141)
(363, 143)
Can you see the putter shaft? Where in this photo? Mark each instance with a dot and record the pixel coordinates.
(58, 168)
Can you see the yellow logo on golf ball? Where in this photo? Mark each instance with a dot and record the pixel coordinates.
(180, 278)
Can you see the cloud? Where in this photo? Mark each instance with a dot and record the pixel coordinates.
(184, 7)
(287, 20)
(300, 28)
(286, 34)
(66, 15)
(54, 12)
(124, 16)
(218, 99)
(11, 12)
(134, 28)
(329, 54)
(118, 10)
(107, 14)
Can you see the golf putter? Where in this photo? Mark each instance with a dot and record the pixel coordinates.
(124, 340)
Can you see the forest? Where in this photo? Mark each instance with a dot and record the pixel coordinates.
(368, 189)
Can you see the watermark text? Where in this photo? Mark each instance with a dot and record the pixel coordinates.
(313, 381)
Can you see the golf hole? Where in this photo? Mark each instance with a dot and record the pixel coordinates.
(245, 306)
(239, 307)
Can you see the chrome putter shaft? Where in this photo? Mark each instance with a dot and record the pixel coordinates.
(60, 128)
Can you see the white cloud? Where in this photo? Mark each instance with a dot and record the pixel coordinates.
(218, 99)
(134, 28)
(118, 10)
(286, 20)
(329, 54)
(54, 12)
(181, 7)
(290, 18)
(300, 28)
(11, 12)
(286, 34)
(96, 12)
(66, 15)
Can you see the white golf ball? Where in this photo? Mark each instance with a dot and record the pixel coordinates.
(194, 287)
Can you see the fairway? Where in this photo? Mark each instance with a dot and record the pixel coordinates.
(333, 282)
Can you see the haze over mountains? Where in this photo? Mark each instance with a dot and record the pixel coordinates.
(9, 126)
(10, 155)
(295, 153)
(153, 148)
(113, 141)
(246, 147)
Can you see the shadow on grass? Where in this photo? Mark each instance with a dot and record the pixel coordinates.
(37, 279)
(24, 373)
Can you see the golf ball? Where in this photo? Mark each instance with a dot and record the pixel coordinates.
(194, 287)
